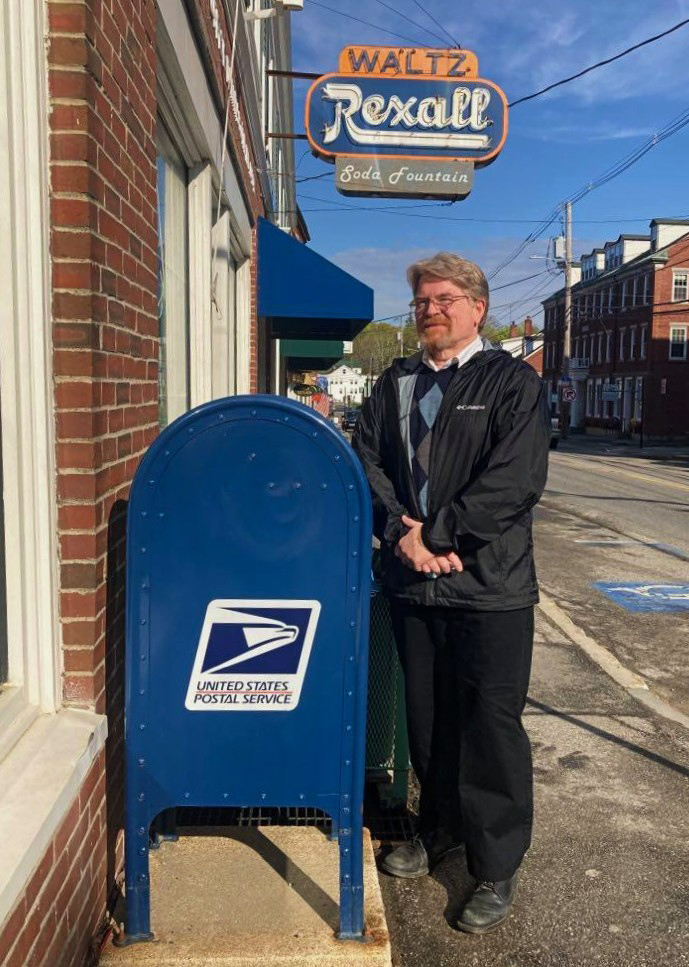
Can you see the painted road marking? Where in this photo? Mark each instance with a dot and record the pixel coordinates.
(647, 478)
(647, 597)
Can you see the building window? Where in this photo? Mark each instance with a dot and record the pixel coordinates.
(625, 287)
(608, 346)
(29, 645)
(173, 281)
(643, 341)
(600, 347)
(632, 341)
(639, 399)
(620, 354)
(678, 342)
(680, 286)
(590, 391)
(611, 290)
(647, 288)
(618, 399)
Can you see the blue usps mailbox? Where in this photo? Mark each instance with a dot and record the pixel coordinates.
(247, 629)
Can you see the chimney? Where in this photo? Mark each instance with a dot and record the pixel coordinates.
(528, 326)
(513, 331)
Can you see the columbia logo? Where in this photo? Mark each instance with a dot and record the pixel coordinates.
(467, 406)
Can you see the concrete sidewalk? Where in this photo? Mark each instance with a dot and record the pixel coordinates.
(241, 897)
(606, 881)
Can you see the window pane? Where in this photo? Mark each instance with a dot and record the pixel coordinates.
(173, 282)
(679, 289)
(678, 343)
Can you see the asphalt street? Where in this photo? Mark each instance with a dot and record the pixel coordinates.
(606, 881)
(641, 492)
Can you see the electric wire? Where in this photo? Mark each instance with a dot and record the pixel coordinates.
(399, 209)
(341, 13)
(428, 13)
(600, 63)
(671, 128)
(414, 23)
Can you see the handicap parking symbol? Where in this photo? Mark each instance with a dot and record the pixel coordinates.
(647, 597)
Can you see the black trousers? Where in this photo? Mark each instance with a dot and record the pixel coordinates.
(466, 676)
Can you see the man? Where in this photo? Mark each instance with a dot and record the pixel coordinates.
(454, 441)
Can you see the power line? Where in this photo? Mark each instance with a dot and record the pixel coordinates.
(366, 23)
(667, 131)
(428, 13)
(399, 13)
(517, 281)
(601, 63)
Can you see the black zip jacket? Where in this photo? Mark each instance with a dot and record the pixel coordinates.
(488, 467)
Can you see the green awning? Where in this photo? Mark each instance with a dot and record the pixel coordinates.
(311, 354)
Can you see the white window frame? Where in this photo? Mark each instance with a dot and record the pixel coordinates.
(608, 346)
(643, 342)
(617, 409)
(675, 274)
(632, 341)
(620, 354)
(638, 399)
(26, 383)
(40, 776)
(682, 342)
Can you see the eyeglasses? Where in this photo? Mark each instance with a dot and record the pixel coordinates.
(443, 302)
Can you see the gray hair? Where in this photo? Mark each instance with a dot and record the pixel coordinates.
(464, 274)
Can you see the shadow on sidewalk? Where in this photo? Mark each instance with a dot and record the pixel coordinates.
(609, 737)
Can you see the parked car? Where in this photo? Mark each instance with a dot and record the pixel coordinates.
(349, 419)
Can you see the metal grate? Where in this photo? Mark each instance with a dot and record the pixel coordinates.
(387, 746)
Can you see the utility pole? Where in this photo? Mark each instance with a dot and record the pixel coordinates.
(567, 342)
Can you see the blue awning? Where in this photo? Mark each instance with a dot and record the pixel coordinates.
(303, 295)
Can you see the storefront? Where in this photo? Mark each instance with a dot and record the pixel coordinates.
(129, 267)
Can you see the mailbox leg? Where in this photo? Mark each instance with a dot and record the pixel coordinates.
(352, 883)
(137, 887)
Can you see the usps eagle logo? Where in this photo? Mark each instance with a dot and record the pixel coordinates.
(252, 656)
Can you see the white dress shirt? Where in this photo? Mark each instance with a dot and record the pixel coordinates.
(474, 347)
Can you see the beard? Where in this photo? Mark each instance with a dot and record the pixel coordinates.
(437, 338)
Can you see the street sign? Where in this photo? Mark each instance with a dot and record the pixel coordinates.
(569, 394)
(246, 663)
(647, 597)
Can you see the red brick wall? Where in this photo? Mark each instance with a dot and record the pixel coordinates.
(668, 413)
(105, 325)
(62, 907)
(535, 360)
(104, 246)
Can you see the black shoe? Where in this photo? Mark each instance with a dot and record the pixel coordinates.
(488, 905)
(419, 855)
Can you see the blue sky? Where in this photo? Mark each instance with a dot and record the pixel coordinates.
(557, 143)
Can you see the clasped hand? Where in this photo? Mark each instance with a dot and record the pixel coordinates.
(412, 551)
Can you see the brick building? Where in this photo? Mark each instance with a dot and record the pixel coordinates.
(629, 335)
(128, 267)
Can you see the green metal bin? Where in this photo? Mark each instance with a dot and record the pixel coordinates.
(387, 745)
